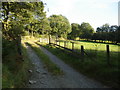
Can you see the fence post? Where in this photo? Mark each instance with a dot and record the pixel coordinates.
(108, 54)
(72, 45)
(82, 52)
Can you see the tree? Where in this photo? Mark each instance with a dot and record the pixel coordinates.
(117, 33)
(106, 32)
(95, 36)
(75, 31)
(16, 15)
(60, 25)
(98, 34)
(112, 33)
(86, 31)
(105, 28)
(44, 28)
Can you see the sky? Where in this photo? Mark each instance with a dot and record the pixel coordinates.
(95, 12)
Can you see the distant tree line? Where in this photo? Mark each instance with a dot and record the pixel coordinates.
(103, 33)
(109, 33)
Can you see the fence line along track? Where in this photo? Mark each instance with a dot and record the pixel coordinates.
(80, 54)
(75, 53)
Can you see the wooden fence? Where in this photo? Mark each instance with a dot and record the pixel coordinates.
(81, 52)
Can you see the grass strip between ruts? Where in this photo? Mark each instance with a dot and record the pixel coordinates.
(51, 67)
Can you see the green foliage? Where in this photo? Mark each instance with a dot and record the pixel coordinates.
(17, 15)
(107, 32)
(15, 31)
(44, 28)
(86, 31)
(60, 25)
(18, 18)
(14, 71)
(117, 33)
(75, 31)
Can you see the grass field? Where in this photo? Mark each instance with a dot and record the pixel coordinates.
(96, 51)
(91, 46)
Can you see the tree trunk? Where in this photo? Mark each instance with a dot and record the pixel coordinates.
(18, 43)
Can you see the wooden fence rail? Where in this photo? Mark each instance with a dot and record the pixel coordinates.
(82, 52)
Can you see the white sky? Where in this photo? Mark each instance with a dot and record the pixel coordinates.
(95, 12)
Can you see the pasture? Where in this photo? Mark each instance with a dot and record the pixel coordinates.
(96, 51)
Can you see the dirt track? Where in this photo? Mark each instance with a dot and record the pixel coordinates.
(70, 79)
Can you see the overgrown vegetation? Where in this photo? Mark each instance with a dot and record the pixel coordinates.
(15, 68)
(18, 19)
(51, 67)
(97, 69)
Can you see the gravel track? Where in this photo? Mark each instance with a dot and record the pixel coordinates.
(70, 79)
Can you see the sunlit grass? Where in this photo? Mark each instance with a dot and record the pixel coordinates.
(97, 69)
(91, 46)
(95, 51)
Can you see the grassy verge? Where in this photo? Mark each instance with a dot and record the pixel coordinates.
(14, 70)
(94, 69)
(51, 67)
